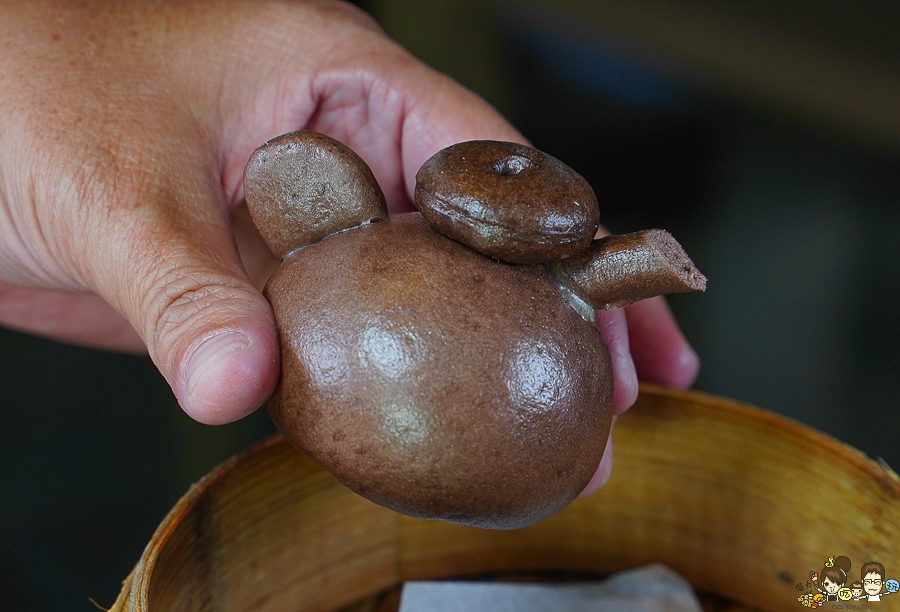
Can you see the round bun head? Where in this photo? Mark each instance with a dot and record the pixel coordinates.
(436, 381)
(508, 201)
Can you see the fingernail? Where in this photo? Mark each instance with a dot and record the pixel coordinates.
(212, 351)
(606, 464)
(625, 391)
(604, 471)
(688, 366)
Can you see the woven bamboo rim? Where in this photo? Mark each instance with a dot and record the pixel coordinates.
(740, 501)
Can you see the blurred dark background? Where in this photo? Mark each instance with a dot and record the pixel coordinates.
(763, 135)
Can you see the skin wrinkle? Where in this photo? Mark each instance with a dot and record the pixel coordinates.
(139, 215)
(399, 185)
(399, 191)
(60, 253)
(400, 101)
(413, 108)
(130, 177)
(187, 298)
(194, 303)
(337, 112)
(29, 230)
(388, 96)
(175, 259)
(178, 270)
(23, 258)
(331, 119)
(214, 144)
(241, 130)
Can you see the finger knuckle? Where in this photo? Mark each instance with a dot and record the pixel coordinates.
(188, 299)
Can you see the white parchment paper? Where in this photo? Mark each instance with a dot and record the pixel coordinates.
(653, 588)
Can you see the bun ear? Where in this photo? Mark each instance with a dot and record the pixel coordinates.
(304, 186)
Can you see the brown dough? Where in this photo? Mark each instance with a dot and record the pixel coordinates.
(303, 186)
(436, 381)
(426, 376)
(508, 201)
(619, 270)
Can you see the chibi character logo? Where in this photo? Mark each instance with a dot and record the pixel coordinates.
(812, 601)
(832, 577)
(874, 583)
(829, 583)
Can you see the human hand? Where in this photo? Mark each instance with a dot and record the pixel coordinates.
(125, 129)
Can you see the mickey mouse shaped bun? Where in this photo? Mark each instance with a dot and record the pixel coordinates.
(447, 364)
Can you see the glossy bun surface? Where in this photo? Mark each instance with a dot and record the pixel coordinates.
(507, 201)
(303, 186)
(436, 381)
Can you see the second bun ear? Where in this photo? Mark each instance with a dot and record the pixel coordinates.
(508, 201)
(304, 186)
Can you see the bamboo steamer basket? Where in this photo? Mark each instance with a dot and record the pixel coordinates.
(740, 501)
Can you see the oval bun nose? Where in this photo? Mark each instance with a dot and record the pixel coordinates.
(508, 201)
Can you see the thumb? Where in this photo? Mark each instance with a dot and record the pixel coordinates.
(170, 265)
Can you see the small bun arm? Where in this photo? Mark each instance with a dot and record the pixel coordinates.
(616, 271)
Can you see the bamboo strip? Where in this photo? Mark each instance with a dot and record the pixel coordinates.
(741, 502)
